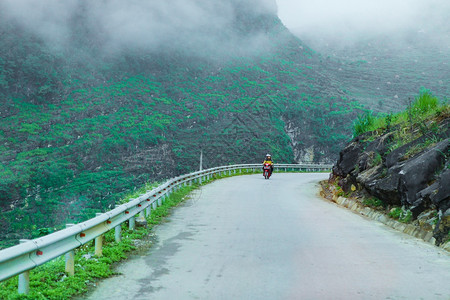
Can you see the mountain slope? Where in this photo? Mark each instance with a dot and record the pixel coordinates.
(95, 105)
(83, 125)
(386, 71)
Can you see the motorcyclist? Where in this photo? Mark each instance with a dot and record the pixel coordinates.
(268, 160)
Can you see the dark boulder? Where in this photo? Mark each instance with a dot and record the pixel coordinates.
(396, 156)
(441, 198)
(348, 159)
(359, 155)
(424, 199)
(381, 144)
(419, 172)
(386, 188)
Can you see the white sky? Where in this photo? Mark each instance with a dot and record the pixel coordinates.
(359, 17)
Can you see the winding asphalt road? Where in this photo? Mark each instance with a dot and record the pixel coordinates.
(250, 238)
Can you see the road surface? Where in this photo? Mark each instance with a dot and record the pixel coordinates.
(250, 238)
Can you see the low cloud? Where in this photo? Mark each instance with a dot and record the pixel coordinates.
(151, 24)
(353, 19)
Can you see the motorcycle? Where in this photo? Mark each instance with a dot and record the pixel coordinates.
(267, 171)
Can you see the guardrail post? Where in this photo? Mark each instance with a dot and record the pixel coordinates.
(70, 259)
(24, 278)
(99, 245)
(131, 223)
(148, 210)
(160, 200)
(99, 242)
(118, 232)
(141, 221)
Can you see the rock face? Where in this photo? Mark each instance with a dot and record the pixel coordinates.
(415, 175)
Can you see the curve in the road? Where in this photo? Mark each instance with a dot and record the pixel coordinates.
(250, 238)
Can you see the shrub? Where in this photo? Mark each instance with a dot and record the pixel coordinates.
(395, 213)
(401, 214)
(406, 216)
(376, 159)
(425, 103)
(374, 202)
(363, 124)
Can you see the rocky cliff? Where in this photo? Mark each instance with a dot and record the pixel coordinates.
(403, 165)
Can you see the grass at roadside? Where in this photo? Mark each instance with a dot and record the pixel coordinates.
(50, 281)
(424, 107)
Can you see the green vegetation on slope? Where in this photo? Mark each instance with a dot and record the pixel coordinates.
(420, 118)
(50, 281)
(424, 106)
(81, 125)
(75, 154)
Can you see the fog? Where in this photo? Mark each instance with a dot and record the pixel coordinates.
(118, 24)
(351, 20)
(210, 26)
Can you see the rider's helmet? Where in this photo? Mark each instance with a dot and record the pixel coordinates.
(268, 157)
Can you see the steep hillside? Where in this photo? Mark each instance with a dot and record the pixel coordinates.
(100, 97)
(385, 71)
(84, 123)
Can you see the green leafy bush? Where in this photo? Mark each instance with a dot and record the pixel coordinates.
(376, 159)
(364, 124)
(423, 106)
(403, 215)
(374, 202)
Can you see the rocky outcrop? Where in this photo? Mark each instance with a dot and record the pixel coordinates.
(415, 176)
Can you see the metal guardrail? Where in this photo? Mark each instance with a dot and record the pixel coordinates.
(20, 259)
